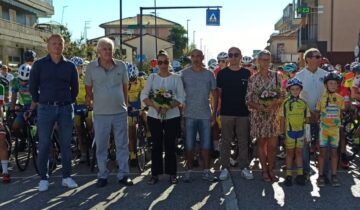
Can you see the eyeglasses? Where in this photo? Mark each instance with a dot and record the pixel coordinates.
(234, 55)
(221, 61)
(166, 62)
(316, 56)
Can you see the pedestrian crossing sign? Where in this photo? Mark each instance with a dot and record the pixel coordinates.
(213, 17)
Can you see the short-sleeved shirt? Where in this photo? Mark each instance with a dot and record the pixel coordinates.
(330, 106)
(233, 85)
(23, 91)
(295, 111)
(107, 87)
(197, 85)
(313, 85)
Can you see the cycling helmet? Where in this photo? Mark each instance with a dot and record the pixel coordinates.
(133, 71)
(24, 72)
(328, 67)
(324, 61)
(29, 56)
(290, 67)
(77, 61)
(222, 56)
(332, 76)
(294, 81)
(355, 67)
(347, 67)
(246, 60)
(212, 66)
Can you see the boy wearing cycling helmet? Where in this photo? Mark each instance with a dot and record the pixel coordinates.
(136, 84)
(246, 62)
(79, 109)
(329, 109)
(222, 62)
(289, 71)
(294, 114)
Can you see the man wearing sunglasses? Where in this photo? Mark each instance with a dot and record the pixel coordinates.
(311, 77)
(232, 84)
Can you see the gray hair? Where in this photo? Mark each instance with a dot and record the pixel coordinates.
(104, 41)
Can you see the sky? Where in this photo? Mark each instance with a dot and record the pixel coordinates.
(246, 24)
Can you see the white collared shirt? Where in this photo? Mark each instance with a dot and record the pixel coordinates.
(313, 85)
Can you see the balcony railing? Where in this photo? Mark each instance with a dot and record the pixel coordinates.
(14, 27)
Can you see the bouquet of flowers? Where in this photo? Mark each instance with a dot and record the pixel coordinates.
(162, 98)
(266, 97)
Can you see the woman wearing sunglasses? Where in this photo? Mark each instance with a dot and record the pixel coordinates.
(263, 98)
(163, 94)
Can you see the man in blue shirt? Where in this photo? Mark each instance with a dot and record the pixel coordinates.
(54, 86)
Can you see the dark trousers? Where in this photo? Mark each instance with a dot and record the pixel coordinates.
(163, 133)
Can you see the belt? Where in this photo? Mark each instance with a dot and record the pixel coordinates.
(56, 103)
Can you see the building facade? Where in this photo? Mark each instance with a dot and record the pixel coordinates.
(17, 28)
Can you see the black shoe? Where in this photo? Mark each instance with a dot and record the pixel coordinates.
(126, 181)
(288, 181)
(101, 183)
(300, 180)
(133, 163)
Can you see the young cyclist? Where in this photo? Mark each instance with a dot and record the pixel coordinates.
(329, 108)
(246, 62)
(294, 114)
(222, 62)
(79, 107)
(136, 84)
(289, 70)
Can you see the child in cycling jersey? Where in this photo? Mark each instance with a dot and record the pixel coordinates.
(294, 115)
(329, 109)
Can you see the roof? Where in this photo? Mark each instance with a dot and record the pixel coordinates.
(287, 35)
(147, 20)
(149, 35)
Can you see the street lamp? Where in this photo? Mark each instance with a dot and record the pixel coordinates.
(187, 34)
(194, 38)
(62, 15)
(156, 50)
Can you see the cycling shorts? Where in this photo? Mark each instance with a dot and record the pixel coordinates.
(329, 137)
(295, 139)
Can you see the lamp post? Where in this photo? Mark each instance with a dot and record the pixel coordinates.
(156, 49)
(187, 34)
(120, 29)
(194, 38)
(62, 15)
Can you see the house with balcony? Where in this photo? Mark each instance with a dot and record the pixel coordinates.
(283, 44)
(17, 28)
(332, 26)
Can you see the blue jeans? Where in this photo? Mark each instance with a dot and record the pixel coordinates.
(102, 126)
(47, 115)
(192, 126)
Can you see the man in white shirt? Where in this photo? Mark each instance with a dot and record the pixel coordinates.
(312, 77)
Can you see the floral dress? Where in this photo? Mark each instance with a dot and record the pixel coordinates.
(264, 91)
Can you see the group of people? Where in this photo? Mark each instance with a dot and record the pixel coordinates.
(251, 104)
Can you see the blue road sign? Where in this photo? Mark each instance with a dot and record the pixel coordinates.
(213, 17)
(139, 58)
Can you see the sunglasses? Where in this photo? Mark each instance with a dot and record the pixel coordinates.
(316, 56)
(235, 55)
(221, 61)
(163, 62)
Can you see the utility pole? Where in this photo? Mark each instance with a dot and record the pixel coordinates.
(194, 37)
(156, 46)
(62, 15)
(87, 26)
(120, 28)
(187, 34)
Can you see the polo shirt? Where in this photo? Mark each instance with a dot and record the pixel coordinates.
(313, 86)
(107, 86)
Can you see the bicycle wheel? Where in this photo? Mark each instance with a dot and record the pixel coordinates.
(22, 153)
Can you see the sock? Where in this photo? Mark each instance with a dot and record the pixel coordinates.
(132, 156)
(288, 172)
(4, 165)
(343, 156)
(299, 171)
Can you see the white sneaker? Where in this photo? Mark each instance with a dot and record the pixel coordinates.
(43, 185)
(69, 183)
(247, 174)
(224, 175)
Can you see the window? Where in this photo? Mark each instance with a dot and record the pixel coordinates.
(12, 14)
(28, 20)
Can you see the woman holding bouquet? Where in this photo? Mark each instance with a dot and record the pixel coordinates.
(163, 93)
(263, 98)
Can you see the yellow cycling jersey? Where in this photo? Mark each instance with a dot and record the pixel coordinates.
(330, 106)
(80, 99)
(295, 111)
(135, 89)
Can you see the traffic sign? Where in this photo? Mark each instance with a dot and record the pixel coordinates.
(213, 17)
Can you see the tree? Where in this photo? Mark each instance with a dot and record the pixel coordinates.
(177, 36)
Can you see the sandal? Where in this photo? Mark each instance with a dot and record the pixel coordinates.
(153, 180)
(173, 179)
(265, 176)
